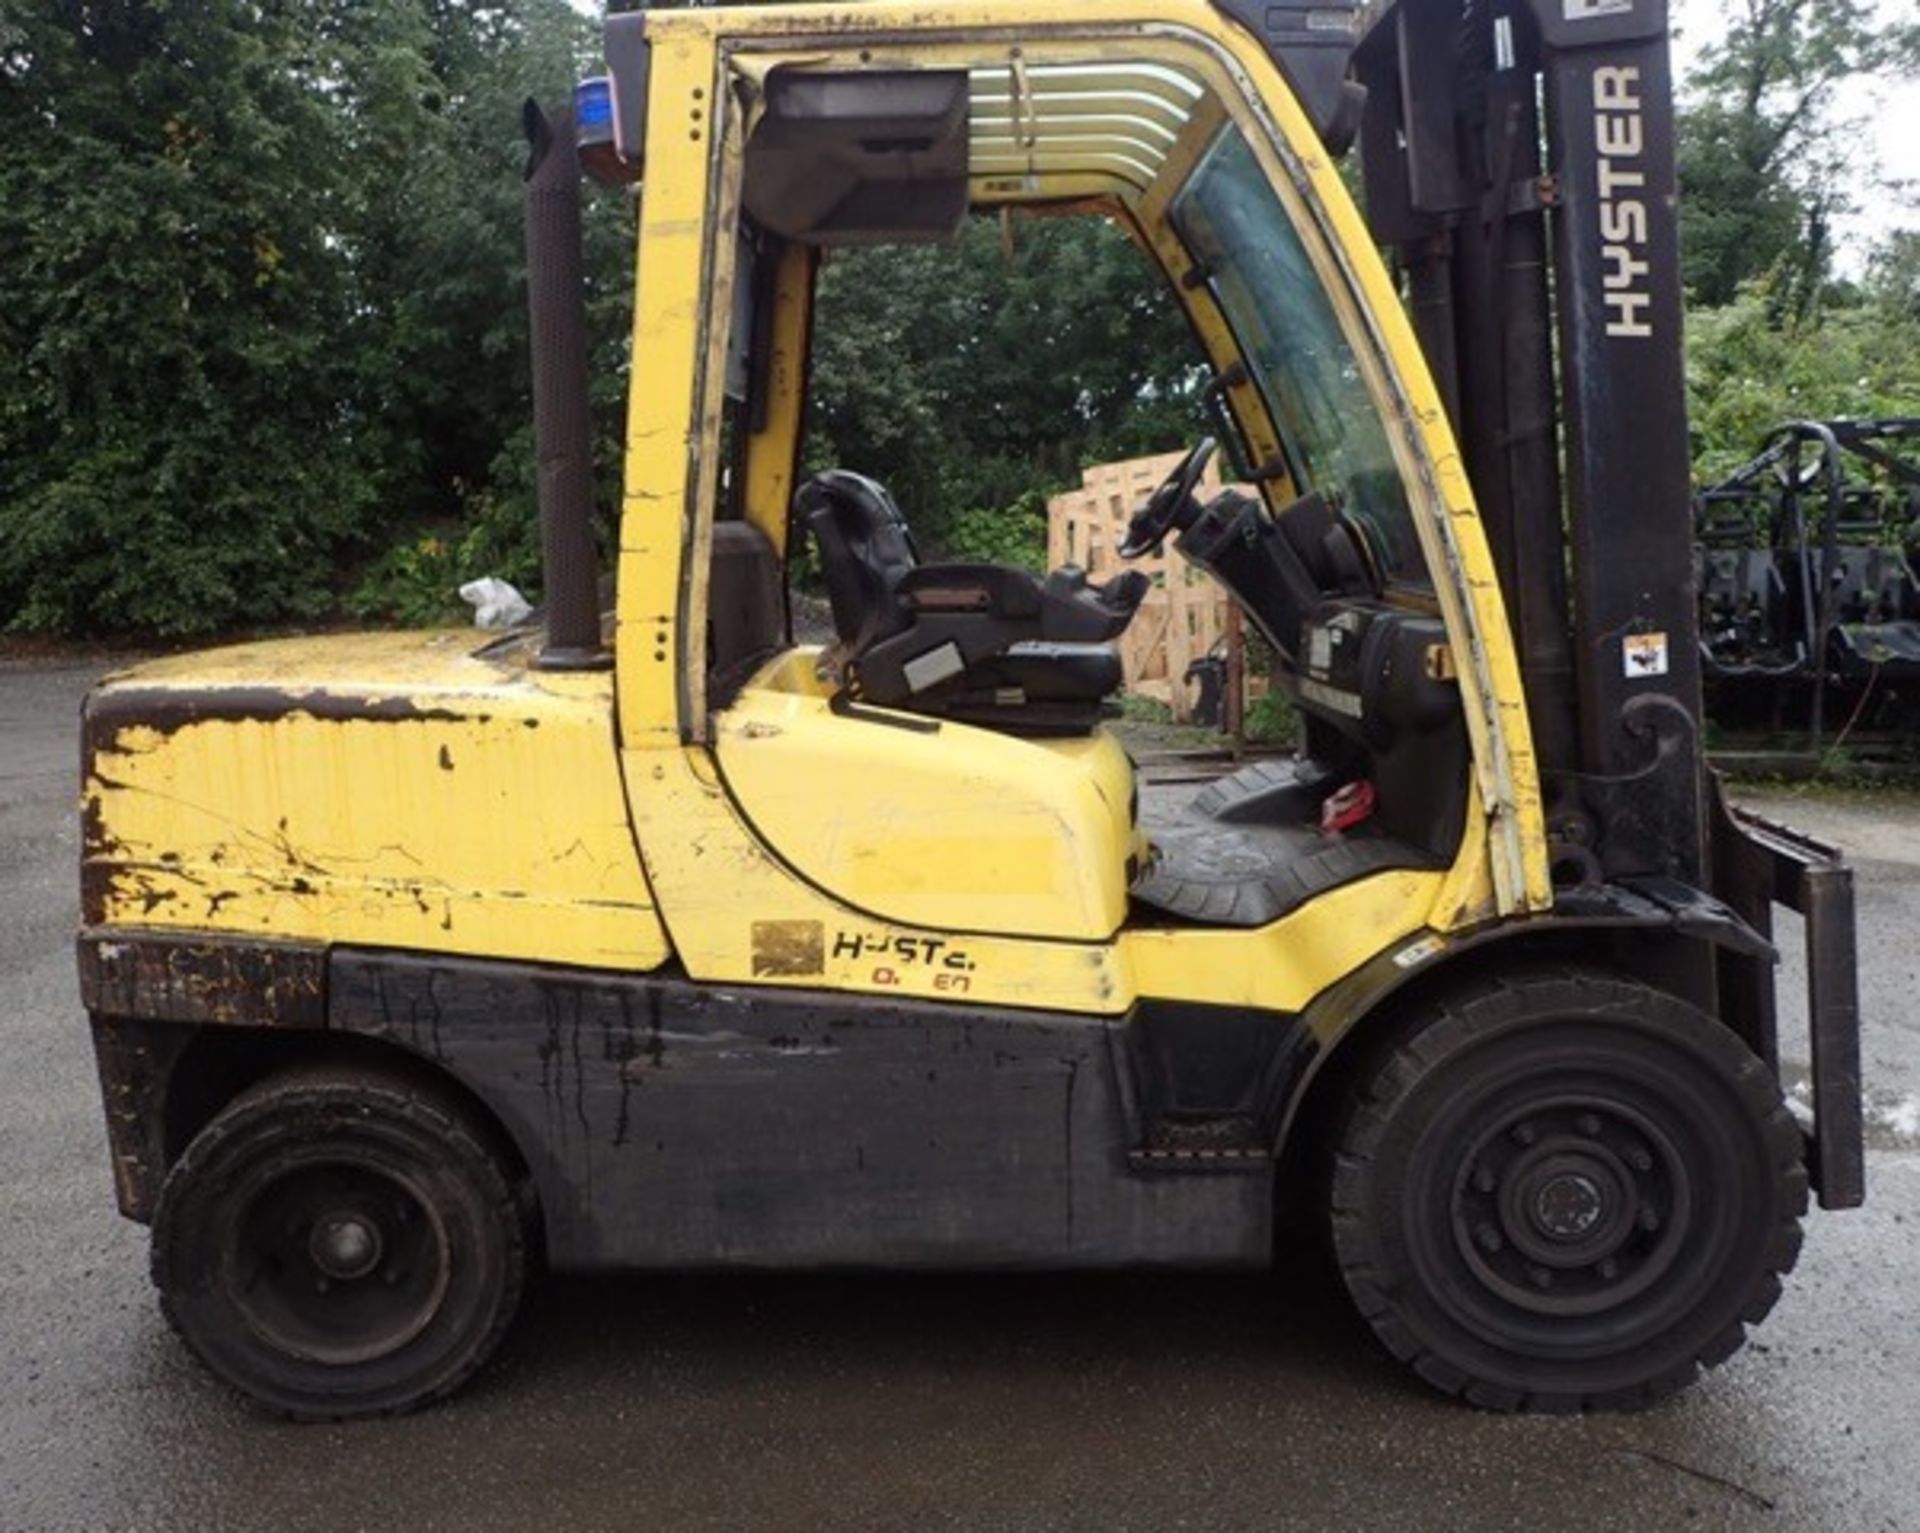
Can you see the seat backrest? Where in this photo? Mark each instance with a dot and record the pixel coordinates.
(865, 550)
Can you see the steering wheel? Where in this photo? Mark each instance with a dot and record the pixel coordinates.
(1163, 511)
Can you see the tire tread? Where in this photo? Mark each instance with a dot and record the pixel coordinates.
(1454, 1021)
(435, 1114)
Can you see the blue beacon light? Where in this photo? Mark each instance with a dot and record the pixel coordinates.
(593, 132)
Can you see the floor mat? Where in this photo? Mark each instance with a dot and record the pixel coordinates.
(1248, 875)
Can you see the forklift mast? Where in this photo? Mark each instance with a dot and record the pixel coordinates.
(1526, 186)
(1518, 161)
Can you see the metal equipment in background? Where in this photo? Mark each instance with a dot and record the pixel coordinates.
(1809, 605)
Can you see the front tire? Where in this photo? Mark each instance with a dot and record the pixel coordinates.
(1566, 1191)
(338, 1243)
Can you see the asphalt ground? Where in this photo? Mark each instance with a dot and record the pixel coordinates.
(1084, 1402)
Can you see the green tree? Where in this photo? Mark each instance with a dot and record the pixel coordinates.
(969, 375)
(1766, 146)
(445, 256)
(260, 312)
(176, 434)
(1893, 277)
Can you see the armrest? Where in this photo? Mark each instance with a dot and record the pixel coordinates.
(1079, 613)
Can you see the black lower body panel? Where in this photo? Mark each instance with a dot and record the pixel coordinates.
(670, 1124)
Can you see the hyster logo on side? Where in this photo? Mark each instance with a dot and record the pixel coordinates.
(1620, 134)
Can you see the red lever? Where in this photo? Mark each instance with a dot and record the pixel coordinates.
(1350, 806)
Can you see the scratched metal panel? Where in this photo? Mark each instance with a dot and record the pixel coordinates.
(403, 790)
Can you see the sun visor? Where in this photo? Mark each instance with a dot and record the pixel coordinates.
(863, 158)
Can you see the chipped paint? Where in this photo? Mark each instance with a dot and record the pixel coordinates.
(797, 846)
(200, 979)
(386, 789)
(382, 789)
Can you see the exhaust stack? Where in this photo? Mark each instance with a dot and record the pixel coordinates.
(563, 443)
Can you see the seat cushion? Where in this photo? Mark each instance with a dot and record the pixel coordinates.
(1054, 672)
(963, 640)
(1033, 689)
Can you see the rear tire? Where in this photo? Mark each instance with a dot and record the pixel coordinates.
(1566, 1191)
(338, 1243)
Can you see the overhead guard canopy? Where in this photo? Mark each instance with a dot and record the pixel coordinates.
(864, 164)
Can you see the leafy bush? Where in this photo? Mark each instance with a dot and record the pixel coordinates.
(263, 338)
(1015, 534)
(415, 584)
(983, 373)
(1749, 371)
(1271, 721)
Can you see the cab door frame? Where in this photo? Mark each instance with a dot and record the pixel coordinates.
(716, 881)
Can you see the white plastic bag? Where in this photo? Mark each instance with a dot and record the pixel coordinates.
(495, 603)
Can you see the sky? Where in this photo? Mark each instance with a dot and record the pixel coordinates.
(1891, 116)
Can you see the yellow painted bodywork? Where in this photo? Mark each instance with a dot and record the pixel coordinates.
(964, 829)
(764, 816)
(740, 911)
(773, 452)
(785, 844)
(471, 806)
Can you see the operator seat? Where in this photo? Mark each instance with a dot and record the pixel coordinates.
(979, 643)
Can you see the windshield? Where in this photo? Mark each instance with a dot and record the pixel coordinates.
(1239, 233)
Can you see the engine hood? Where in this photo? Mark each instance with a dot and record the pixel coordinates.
(423, 791)
(393, 675)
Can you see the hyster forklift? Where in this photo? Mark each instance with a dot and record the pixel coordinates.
(654, 940)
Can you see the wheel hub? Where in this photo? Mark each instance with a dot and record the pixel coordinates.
(1570, 1207)
(1568, 1203)
(345, 1246)
(339, 1262)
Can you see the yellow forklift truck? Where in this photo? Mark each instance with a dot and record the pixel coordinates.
(655, 940)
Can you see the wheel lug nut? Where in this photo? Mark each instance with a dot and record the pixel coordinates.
(1524, 1134)
(1539, 1277)
(390, 1277)
(1639, 1158)
(1649, 1220)
(321, 1285)
(1609, 1269)
(1489, 1239)
(1484, 1179)
(1589, 1125)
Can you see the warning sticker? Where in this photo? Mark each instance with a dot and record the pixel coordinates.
(1320, 650)
(1646, 655)
(1417, 953)
(1593, 10)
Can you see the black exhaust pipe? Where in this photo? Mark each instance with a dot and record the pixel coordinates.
(563, 439)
